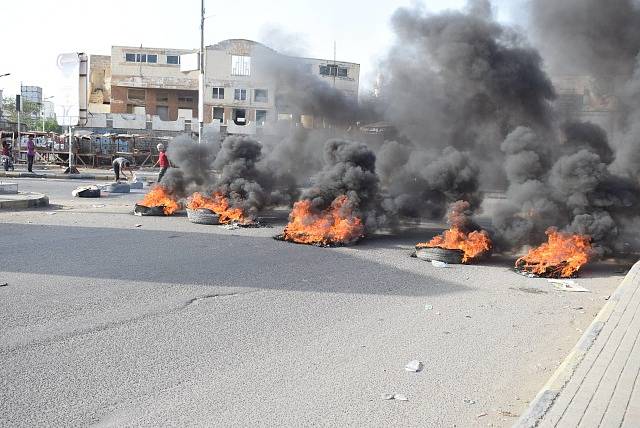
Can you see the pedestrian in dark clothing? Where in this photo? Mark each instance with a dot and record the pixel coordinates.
(163, 161)
(31, 153)
(120, 165)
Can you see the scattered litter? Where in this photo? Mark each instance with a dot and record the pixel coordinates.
(98, 205)
(3, 284)
(481, 415)
(51, 213)
(437, 313)
(138, 225)
(231, 226)
(507, 414)
(399, 397)
(414, 366)
(531, 275)
(29, 222)
(467, 316)
(438, 263)
(428, 307)
(469, 401)
(567, 285)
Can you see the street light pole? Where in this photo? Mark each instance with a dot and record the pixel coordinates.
(201, 76)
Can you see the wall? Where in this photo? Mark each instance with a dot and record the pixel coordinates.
(146, 75)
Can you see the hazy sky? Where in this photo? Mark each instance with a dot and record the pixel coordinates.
(36, 31)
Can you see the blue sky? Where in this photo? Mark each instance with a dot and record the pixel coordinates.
(47, 28)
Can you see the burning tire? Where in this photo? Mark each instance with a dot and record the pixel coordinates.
(203, 216)
(440, 254)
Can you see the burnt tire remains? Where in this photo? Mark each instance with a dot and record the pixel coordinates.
(203, 216)
(440, 254)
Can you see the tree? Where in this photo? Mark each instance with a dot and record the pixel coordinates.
(31, 115)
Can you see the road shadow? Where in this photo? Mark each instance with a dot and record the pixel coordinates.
(204, 259)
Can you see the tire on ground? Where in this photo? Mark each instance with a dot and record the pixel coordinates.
(86, 192)
(439, 254)
(203, 216)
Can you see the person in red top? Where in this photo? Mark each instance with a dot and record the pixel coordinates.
(163, 161)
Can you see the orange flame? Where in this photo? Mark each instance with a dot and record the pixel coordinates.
(160, 196)
(472, 244)
(333, 226)
(561, 256)
(219, 204)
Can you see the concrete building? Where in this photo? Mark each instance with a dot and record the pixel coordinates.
(144, 88)
(240, 90)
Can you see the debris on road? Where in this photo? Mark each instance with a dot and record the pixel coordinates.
(482, 415)
(469, 401)
(138, 225)
(98, 205)
(51, 213)
(231, 226)
(428, 307)
(507, 414)
(567, 285)
(399, 397)
(3, 284)
(414, 366)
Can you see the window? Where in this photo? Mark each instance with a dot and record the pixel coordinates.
(261, 117)
(218, 93)
(141, 57)
(334, 70)
(260, 95)
(240, 95)
(185, 99)
(136, 94)
(173, 59)
(162, 97)
(240, 65)
(218, 114)
(130, 57)
(239, 116)
(153, 59)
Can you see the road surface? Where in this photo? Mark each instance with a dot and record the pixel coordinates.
(171, 323)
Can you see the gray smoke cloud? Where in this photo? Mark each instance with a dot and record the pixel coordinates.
(349, 169)
(194, 164)
(456, 84)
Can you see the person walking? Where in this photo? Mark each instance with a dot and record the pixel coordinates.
(31, 153)
(163, 161)
(120, 165)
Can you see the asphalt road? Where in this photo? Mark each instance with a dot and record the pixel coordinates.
(107, 323)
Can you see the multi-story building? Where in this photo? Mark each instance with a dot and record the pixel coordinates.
(241, 90)
(240, 85)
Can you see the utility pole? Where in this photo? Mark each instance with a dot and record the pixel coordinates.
(201, 79)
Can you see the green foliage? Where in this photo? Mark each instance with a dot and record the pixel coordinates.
(31, 115)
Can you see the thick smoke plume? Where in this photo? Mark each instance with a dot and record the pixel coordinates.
(457, 83)
(349, 169)
(247, 182)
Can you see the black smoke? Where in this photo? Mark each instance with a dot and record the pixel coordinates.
(349, 169)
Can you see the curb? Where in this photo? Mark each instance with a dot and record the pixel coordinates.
(57, 176)
(543, 401)
(32, 200)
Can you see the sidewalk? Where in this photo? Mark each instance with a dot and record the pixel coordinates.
(598, 385)
(23, 200)
(85, 174)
